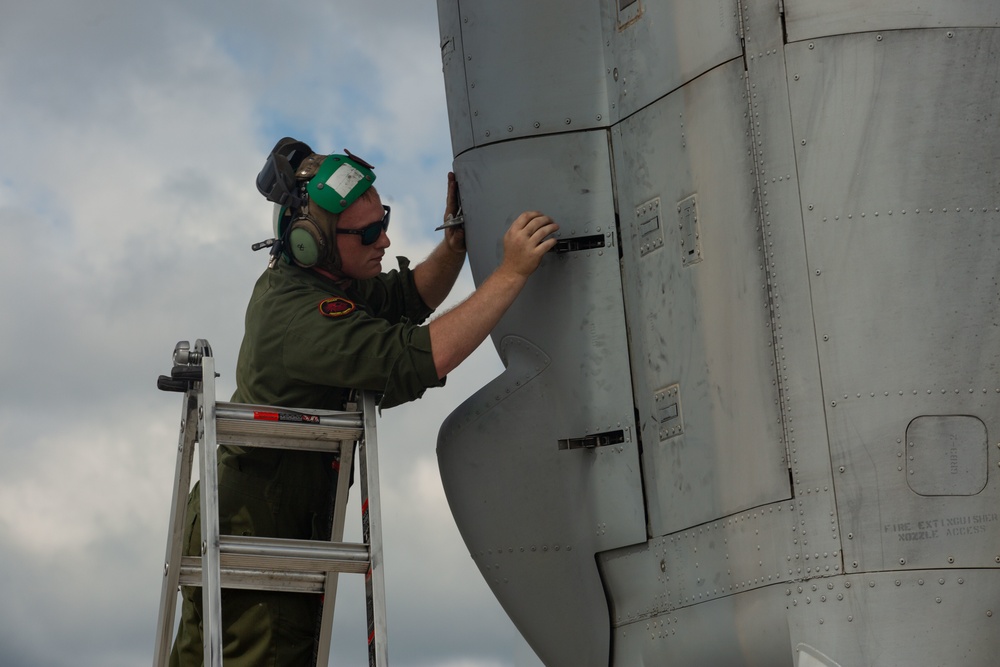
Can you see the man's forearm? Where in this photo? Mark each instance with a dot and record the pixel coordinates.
(436, 275)
(456, 334)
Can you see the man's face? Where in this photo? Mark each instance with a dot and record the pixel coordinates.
(357, 260)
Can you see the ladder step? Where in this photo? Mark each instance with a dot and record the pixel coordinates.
(315, 555)
(279, 564)
(256, 580)
(281, 428)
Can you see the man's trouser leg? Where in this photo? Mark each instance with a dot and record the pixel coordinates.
(260, 628)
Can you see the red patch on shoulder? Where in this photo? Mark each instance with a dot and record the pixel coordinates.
(336, 306)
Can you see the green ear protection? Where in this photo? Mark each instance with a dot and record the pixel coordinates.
(307, 244)
(293, 178)
(301, 239)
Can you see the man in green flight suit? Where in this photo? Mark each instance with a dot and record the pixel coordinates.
(323, 321)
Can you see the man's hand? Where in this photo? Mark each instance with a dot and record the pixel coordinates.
(526, 242)
(436, 275)
(454, 235)
(453, 203)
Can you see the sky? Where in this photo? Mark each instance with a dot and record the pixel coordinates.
(130, 134)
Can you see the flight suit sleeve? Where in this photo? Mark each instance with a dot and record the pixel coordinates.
(341, 345)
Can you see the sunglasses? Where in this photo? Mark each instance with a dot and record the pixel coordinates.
(370, 233)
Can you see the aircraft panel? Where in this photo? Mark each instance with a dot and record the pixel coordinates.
(943, 617)
(901, 202)
(816, 537)
(655, 47)
(455, 85)
(522, 82)
(694, 272)
(570, 83)
(809, 19)
(715, 560)
(690, 637)
(541, 466)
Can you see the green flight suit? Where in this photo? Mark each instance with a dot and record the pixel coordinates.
(308, 342)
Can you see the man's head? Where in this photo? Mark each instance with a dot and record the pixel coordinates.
(318, 200)
(359, 236)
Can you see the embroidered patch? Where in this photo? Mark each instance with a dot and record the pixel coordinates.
(336, 306)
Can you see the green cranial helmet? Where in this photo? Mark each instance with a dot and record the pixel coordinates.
(339, 181)
(293, 178)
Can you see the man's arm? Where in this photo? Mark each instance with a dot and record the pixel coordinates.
(457, 333)
(436, 275)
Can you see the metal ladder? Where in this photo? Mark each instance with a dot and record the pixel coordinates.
(259, 563)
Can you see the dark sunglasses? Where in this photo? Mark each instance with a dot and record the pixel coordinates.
(370, 233)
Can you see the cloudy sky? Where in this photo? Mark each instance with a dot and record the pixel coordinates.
(130, 136)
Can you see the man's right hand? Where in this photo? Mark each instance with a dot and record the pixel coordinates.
(526, 242)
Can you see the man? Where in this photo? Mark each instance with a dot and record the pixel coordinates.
(323, 321)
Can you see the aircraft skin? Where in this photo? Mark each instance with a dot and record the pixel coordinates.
(750, 413)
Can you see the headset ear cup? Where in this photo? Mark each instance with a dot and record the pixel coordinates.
(306, 243)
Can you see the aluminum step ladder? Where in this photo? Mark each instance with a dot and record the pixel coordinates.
(229, 561)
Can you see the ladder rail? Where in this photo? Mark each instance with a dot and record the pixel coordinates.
(371, 523)
(325, 636)
(211, 578)
(175, 537)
